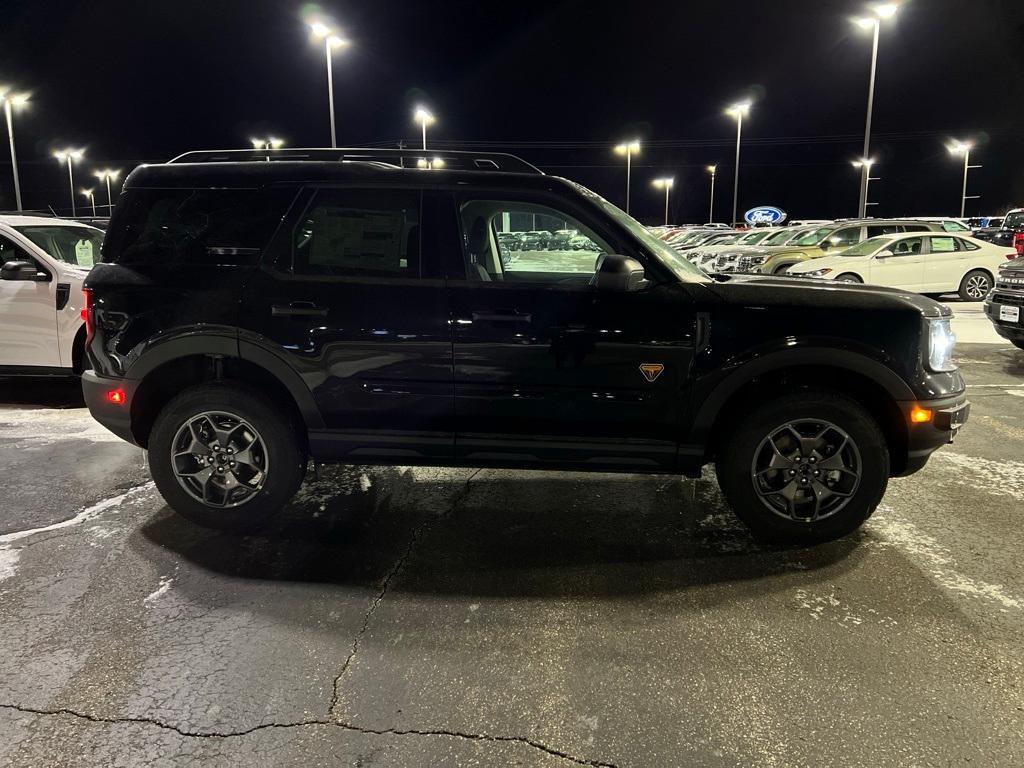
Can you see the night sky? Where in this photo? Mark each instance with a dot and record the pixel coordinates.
(555, 82)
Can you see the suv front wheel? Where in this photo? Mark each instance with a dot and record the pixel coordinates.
(225, 457)
(809, 466)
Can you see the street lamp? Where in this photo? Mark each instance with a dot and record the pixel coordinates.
(423, 116)
(963, 148)
(108, 175)
(628, 148)
(268, 144)
(436, 164)
(738, 111)
(87, 193)
(666, 184)
(865, 165)
(331, 41)
(10, 101)
(711, 213)
(873, 22)
(67, 156)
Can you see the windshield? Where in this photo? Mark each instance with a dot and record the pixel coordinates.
(865, 248)
(781, 237)
(815, 237)
(753, 237)
(70, 244)
(667, 255)
(1014, 220)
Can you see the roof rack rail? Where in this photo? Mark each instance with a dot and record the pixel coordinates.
(397, 158)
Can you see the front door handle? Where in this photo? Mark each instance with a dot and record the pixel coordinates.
(298, 309)
(502, 316)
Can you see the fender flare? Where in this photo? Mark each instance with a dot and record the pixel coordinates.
(820, 357)
(228, 345)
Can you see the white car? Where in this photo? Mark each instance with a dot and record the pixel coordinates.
(43, 262)
(933, 263)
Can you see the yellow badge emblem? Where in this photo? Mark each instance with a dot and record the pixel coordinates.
(651, 371)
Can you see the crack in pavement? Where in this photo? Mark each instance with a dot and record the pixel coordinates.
(307, 723)
(386, 584)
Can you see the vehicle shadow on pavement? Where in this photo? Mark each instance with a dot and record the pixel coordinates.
(503, 534)
(46, 393)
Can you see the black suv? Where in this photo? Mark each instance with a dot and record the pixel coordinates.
(1004, 305)
(346, 306)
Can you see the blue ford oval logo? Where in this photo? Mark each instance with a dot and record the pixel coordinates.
(764, 214)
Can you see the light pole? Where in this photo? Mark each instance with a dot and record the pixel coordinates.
(423, 116)
(874, 23)
(67, 156)
(108, 175)
(665, 183)
(87, 193)
(964, 148)
(711, 211)
(268, 144)
(331, 41)
(865, 165)
(628, 148)
(738, 111)
(10, 101)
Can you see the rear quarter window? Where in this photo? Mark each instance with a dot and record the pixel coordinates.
(168, 227)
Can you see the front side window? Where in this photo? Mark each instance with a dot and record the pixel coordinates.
(11, 252)
(909, 246)
(865, 248)
(359, 233)
(72, 245)
(526, 242)
(815, 237)
(844, 237)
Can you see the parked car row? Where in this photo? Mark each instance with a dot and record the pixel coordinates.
(541, 240)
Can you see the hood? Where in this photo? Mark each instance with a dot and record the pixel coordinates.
(808, 293)
(820, 262)
(1015, 267)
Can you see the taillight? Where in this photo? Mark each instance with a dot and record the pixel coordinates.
(87, 315)
(1011, 255)
(1018, 243)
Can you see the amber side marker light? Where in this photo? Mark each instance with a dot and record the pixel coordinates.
(919, 415)
(116, 396)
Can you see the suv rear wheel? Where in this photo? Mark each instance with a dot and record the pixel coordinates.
(225, 457)
(809, 466)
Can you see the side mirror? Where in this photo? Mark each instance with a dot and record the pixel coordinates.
(884, 254)
(619, 273)
(22, 270)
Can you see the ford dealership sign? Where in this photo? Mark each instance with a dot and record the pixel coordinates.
(764, 214)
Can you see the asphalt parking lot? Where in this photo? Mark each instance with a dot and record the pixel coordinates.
(405, 617)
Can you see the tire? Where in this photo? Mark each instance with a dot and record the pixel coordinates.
(975, 285)
(746, 449)
(781, 270)
(848, 277)
(241, 502)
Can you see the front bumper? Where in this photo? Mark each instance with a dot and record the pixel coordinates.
(114, 416)
(1002, 297)
(949, 415)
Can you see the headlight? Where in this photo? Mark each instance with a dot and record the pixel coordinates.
(817, 272)
(941, 343)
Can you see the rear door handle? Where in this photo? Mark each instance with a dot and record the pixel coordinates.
(502, 316)
(298, 309)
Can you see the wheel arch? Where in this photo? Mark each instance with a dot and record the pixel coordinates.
(184, 362)
(871, 383)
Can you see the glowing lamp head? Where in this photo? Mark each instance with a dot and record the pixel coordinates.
(437, 162)
(739, 109)
(87, 192)
(712, 169)
(423, 116)
(885, 10)
(337, 42)
(663, 183)
(319, 29)
(959, 147)
(628, 147)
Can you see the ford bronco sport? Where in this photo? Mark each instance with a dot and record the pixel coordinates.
(345, 306)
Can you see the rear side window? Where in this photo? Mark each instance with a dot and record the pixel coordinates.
(916, 228)
(359, 233)
(195, 226)
(882, 229)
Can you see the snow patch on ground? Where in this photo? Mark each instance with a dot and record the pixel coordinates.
(999, 478)
(161, 590)
(9, 555)
(828, 606)
(42, 427)
(940, 563)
